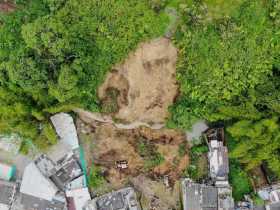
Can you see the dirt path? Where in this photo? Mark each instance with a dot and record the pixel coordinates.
(92, 117)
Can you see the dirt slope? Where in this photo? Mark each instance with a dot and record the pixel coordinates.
(145, 82)
(7, 7)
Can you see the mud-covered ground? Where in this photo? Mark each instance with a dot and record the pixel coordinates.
(135, 98)
(144, 85)
(160, 156)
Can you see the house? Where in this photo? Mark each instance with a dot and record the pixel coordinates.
(7, 172)
(67, 170)
(206, 197)
(124, 199)
(199, 196)
(38, 192)
(7, 194)
(217, 155)
(65, 129)
(46, 166)
(271, 195)
(61, 173)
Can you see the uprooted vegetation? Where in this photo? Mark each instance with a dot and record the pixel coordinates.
(155, 154)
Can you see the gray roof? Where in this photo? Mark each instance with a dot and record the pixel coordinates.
(34, 183)
(199, 196)
(7, 190)
(124, 199)
(259, 207)
(66, 130)
(116, 201)
(69, 170)
(32, 203)
(274, 206)
(218, 160)
(45, 165)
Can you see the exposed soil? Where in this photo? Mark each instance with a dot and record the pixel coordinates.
(146, 83)
(135, 98)
(7, 7)
(105, 144)
(258, 178)
(155, 196)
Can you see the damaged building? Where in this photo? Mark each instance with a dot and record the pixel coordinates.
(216, 194)
(217, 155)
(124, 199)
(205, 197)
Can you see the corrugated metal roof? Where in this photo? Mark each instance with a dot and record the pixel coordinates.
(65, 129)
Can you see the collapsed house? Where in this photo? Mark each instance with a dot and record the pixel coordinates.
(124, 199)
(217, 193)
(7, 194)
(217, 155)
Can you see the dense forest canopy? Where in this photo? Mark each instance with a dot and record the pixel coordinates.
(54, 54)
(229, 70)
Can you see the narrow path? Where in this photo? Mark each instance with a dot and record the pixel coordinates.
(91, 117)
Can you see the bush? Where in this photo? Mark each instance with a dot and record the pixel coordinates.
(239, 180)
(198, 168)
(96, 178)
(148, 152)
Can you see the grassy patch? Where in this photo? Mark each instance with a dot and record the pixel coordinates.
(198, 168)
(238, 177)
(239, 180)
(149, 153)
(110, 102)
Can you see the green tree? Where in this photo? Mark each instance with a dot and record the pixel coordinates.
(258, 142)
(226, 64)
(55, 54)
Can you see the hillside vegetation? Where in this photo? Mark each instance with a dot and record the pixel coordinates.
(54, 55)
(229, 71)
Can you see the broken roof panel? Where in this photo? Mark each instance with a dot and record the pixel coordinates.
(65, 129)
(218, 160)
(68, 170)
(78, 198)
